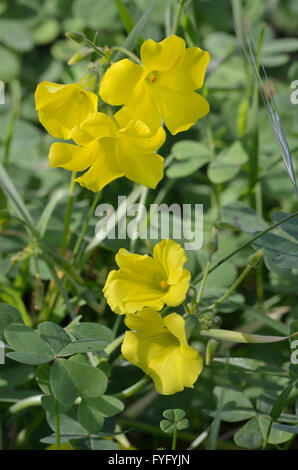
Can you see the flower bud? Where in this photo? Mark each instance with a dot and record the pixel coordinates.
(254, 259)
(79, 38)
(213, 346)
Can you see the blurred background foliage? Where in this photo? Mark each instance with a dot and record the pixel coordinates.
(209, 166)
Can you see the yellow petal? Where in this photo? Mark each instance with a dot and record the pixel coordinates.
(142, 107)
(104, 169)
(96, 126)
(190, 74)
(172, 257)
(141, 135)
(161, 353)
(118, 83)
(162, 55)
(180, 110)
(177, 293)
(144, 169)
(71, 157)
(147, 322)
(134, 285)
(61, 108)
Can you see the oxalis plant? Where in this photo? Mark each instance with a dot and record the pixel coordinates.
(108, 341)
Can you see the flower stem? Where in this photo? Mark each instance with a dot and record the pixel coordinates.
(85, 225)
(128, 392)
(244, 245)
(174, 443)
(114, 344)
(265, 443)
(177, 17)
(126, 52)
(202, 286)
(57, 416)
(68, 213)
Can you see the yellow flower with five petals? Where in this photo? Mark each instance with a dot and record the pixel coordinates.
(62, 108)
(162, 86)
(148, 281)
(159, 347)
(108, 151)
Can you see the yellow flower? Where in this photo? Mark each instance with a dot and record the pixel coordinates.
(62, 108)
(162, 86)
(111, 151)
(146, 281)
(159, 347)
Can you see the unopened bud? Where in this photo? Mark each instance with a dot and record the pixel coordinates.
(254, 259)
(213, 346)
(79, 56)
(79, 38)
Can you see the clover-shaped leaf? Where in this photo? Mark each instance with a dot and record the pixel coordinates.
(174, 421)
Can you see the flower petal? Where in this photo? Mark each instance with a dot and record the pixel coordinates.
(190, 74)
(118, 83)
(96, 126)
(172, 257)
(71, 157)
(104, 169)
(144, 169)
(134, 285)
(147, 322)
(177, 293)
(162, 55)
(63, 107)
(180, 110)
(142, 107)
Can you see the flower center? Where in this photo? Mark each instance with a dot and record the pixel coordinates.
(164, 284)
(151, 77)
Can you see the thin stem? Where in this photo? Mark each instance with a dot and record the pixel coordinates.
(97, 49)
(244, 245)
(177, 17)
(174, 443)
(85, 225)
(266, 440)
(126, 52)
(128, 392)
(114, 344)
(202, 286)
(232, 288)
(68, 213)
(57, 417)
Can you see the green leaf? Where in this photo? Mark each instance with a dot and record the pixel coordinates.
(62, 385)
(9, 65)
(8, 315)
(241, 216)
(281, 402)
(282, 252)
(90, 418)
(135, 34)
(83, 346)
(190, 149)
(54, 336)
(88, 330)
(249, 436)
(96, 15)
(29, 357)
(290, 227)
(183, 424)
(235, 405)
(43, 378)
(103, 444)
(24, 339)
(126, 17)
(89, 381)
(226, 165)
(167, 427)
(108, 406)
(15, 35)
(174, 415)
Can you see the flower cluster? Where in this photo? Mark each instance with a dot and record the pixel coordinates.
(157, 345)
(161, 87)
